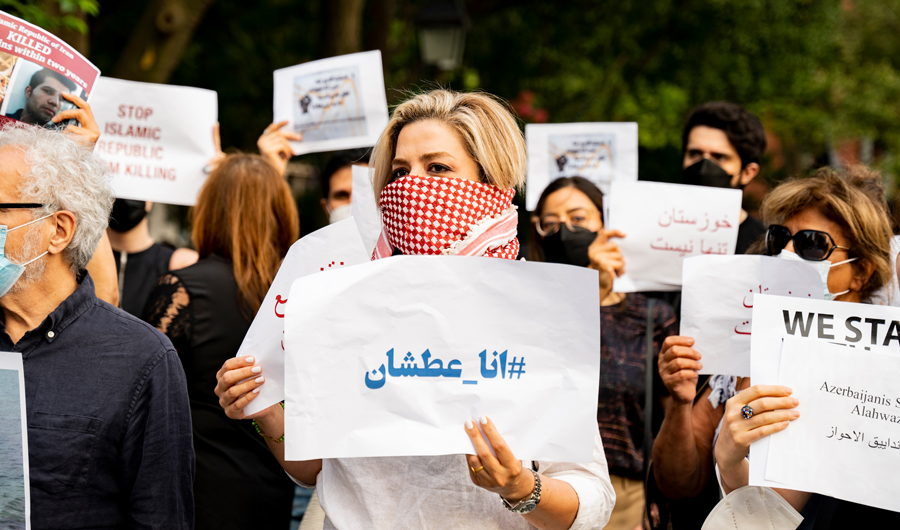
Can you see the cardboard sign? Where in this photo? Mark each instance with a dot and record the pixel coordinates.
(335, 103)
(156, 138)
(390, 358)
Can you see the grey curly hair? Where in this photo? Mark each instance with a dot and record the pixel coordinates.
(64, 175)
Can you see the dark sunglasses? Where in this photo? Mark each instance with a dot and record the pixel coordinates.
(812, 245)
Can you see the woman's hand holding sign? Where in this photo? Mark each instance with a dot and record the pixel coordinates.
(274, 145)
(606, 257)
(679, 365)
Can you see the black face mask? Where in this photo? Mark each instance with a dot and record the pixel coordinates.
(706, 173)
(127, 214)
(569, 247)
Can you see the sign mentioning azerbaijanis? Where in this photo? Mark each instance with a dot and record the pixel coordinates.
(717, 303)
(35, 68)
(846, 442)
(666, 223)
(331, 248)
(335, 103)
(599, 152)
(156, 138)
(417, 345)
(854, 327)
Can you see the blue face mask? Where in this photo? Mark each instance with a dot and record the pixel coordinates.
(11, 272)
(824, 267)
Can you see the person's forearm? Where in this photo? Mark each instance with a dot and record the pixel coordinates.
(736, 476)
(305, 471)
(558, 507)
(677, 464)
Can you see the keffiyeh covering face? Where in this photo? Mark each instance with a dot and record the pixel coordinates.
(448, 216)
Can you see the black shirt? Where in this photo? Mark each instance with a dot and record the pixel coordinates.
(142, 269)
(239, 483)
(748, 233)
(109, 442)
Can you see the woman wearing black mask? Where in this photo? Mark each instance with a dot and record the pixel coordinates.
(568, 228)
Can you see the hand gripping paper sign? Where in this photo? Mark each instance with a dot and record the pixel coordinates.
(856, 327)
(15, 493)
(390, 358)
(666, 223)
(36, 68)
(156, 138)
(599, 152)
(335, 103)
(846, 442)
(717, 303)
(331, 248)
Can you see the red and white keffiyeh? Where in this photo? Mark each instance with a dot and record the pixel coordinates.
(449, 216)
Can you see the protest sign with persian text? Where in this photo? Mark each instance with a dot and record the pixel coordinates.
(30, 56)
(157, 139)
(717, 303)
(392, 357)
(599, 152)
(846, 442)
(331, 248)
(666, 223)
(335, 103)
(852, 326)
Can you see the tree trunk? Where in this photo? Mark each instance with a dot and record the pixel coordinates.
(381, 14)
(159, 40)
(342, 27)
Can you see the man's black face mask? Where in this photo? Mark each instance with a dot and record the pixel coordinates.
(707, 173)
(127, 214)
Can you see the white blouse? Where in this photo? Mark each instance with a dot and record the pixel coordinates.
(435, 492)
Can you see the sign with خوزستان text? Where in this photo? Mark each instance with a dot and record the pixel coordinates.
(717, 303)
(854, 327)
(331, 248)
(599, 152)
(392, 357)
(666, 223)
(335, 103)
(157, 139)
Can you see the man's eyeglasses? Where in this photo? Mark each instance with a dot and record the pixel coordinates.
(812, 245)
(20, 205)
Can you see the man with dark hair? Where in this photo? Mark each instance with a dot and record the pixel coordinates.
(722, 144)
(336, 181)
(43, 97)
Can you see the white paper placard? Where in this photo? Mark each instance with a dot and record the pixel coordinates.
(156, 138)
(717, 303)
(15, 492)
(331, 248)
(335, 103)
(599, 152)
(665, 223)
(390, 358)
(846, 442)
(857, 326)
(364, 206)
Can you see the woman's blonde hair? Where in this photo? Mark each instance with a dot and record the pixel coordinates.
(854, 200)
(485, 124)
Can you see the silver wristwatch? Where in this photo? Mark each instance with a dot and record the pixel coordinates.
(526, 505)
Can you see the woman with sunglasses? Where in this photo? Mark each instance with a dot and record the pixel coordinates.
(837, 220)
(567, 227)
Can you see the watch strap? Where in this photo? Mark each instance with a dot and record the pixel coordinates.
(530, 503)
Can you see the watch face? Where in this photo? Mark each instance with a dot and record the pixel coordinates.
(527, 507)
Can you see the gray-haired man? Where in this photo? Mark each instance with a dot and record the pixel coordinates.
(109, 425)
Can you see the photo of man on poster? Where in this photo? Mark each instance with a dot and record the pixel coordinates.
(43, 97)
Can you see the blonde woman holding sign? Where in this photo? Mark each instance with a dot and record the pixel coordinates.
(459, 157)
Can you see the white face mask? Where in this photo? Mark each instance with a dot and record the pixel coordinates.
(339, 214)
(822, 266)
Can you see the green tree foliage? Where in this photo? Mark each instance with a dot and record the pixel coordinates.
(43, 14)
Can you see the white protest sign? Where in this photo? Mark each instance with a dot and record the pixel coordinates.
(156, 138)
(390, 358)
(599, 152)
(364, 207)
(717, 303)
(335, 103)
(15, 502)
(846, 442)
(331, 248)
(851, 325)
(665, 223)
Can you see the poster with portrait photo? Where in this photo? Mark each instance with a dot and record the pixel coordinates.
(335, 103)
(15, 495)
(599, 152)
(36, 68)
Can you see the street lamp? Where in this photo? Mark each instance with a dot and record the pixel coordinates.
(442, 32)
